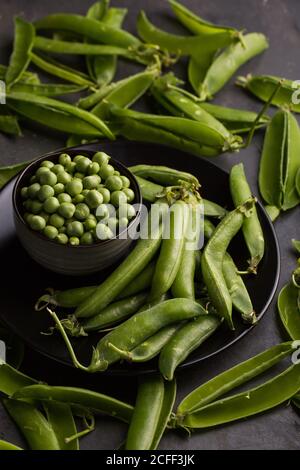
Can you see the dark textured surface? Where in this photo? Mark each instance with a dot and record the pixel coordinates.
(279, 20)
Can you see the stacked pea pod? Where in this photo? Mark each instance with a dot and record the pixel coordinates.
(150, 302)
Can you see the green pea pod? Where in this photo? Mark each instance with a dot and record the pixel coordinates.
(46, 89)
(20, 58)
(9, 125)
(279, 162)
(228, 62)
(182, 104)
(252, 231)
(26, 77)
(91, 100)
(197, 68)
(262, 86)
(236, 120)
(51, 66)
(256, 400)
(146, 413)
(42, 109)
(183, 45)
(151, 347)
(149, 190)
(211, 209)
(35, 428)
(88, 27)
(114, 313)
(298, 182)
(170, 389)
(8, 172)
(197, 25)
(213, 256)
(272, 211)
(133, 129)
(232, 378)
(164, 175)
(12, 380)
(4, 445)
(98, 9)
(288, 310)
(184, 341)
(98, 402)
(129, 269)
(140, 283)
(296, 245)
(60, 418)
(171, 251)
(125, 93)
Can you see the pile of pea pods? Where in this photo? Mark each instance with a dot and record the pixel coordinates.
(156, 304)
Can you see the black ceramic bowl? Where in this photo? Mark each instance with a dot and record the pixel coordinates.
(66, 259)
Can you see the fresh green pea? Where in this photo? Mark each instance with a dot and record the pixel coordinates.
(57, 168)
(113, 223)
(102, 212)
(79, 175)
(41, 170)
(51, 205)
(93, 169)
(71, 167)
(93, 199)
(87, 238)
(125, 181)
(50, 232)
(114, 183)
(33, 179)
(74, 187)
(24, 192)
(47, 164)
(36, 207)
(27, 217)
(91, 182)
(74, 241)
(33, 190)
(101, 158)
(48, 178)
(63, 177)
(123, 222)
(45, 192)
(37, 223)
(85, 192)
(126, 210)
(62, 238)
(82, 211)
(64, 159)
(83, 164)
(62, 229)
(105, 194)
(106, 171)
(129, 193)
(64, 197)
(66, 210)
(75, 229)
(56, 220)
(118, 198)
(90, 224)
(103, 232)
(45, 216)
(79, 198)
(58, 188)
(77, 158)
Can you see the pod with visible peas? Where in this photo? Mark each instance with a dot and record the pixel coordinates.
(280, 162)
(182, 45)
(184, 341)
(47, 89)
(213, 256)
(114, 313)
(228, 62)
(164, 175)
(252, 230)
(171, 251)
(262, 86)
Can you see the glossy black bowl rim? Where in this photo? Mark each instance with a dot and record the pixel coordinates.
(53, 154)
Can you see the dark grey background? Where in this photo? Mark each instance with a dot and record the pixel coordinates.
(279, 20)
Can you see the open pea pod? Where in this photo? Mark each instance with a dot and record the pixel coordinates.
(20, 58)
(228, 62)
(183, 45)
(280, 162)
(262, 86)
(198, 25)
(289, 311)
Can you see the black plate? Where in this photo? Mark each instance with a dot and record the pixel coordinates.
(23, 281)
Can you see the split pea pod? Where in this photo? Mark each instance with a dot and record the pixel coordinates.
(213, 256)
(20, 57)
(252, 230)
(184, 341)
(263, 86)
(280, 162)
(183, 45)
(115, 312)
(171, 251)
(61, 420)
(129, 269)
(228, 62)
(233, 378)
(164, 175)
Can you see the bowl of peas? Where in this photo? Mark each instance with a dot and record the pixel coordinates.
(76, 213)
